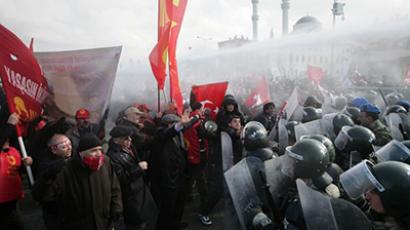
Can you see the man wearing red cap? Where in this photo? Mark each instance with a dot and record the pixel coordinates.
(82, 126)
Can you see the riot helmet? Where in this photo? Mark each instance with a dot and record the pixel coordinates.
(327, 142)
(393, 151)
(254, 136)
(340, 102)
(395, 109)
(392, 98)
(356, 138)
(390, 180)
(395, 178)
(290, 126)
(307, 158)
(404, 103)
(312, 101)
(310, 114)
(341, 120)
(353, 113)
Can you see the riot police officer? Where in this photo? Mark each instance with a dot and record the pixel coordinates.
(259, 185)
(386, 187)
(352, 145)
(329, 180)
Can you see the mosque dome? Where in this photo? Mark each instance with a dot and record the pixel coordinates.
(307, 24)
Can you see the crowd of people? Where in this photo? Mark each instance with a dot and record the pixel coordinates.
(348, 153)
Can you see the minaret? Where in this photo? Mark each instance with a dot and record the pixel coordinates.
(285, 22)
(255, 19)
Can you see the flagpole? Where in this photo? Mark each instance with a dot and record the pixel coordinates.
(159, 98)
(165, 96)
(170, 82)
(24, 153)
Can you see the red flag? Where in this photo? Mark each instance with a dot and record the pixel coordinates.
(158, 59)
(177, 15)
(22, 78)
(259, 95)
(159, 55)
(210, 95)
(315, 73)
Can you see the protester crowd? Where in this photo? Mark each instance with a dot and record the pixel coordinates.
(345, 150)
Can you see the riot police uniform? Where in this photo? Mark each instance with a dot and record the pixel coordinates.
(262, 187)
(352, 145)
(386, 186)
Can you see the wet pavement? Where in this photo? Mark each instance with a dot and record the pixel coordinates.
(33, 220)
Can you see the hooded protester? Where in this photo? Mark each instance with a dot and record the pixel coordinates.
(86, 191)
(229, 107)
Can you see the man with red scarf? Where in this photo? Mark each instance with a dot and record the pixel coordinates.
(86, 191)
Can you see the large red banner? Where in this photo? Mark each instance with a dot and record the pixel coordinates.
(22, 78)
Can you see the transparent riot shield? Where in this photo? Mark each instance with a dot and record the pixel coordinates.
(308, 128)
(393, 151)
(393, 121)
(227, 151)
(324, 213)
(242, 190)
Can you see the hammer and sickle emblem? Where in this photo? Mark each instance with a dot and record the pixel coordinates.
(11, 160)
(21, 107)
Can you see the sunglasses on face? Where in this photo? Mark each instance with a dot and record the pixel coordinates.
(63, 145)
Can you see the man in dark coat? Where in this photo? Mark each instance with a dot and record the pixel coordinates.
(133, 118)
(52, 161)
(168, 165)
(267, 117)
(87, 191)
(140, 211)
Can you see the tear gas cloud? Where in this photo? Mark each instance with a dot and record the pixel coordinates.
(377, 53)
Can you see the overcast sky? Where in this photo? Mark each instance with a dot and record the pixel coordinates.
(79, 24)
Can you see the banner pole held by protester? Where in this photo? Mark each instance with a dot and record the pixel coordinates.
(23, 82)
